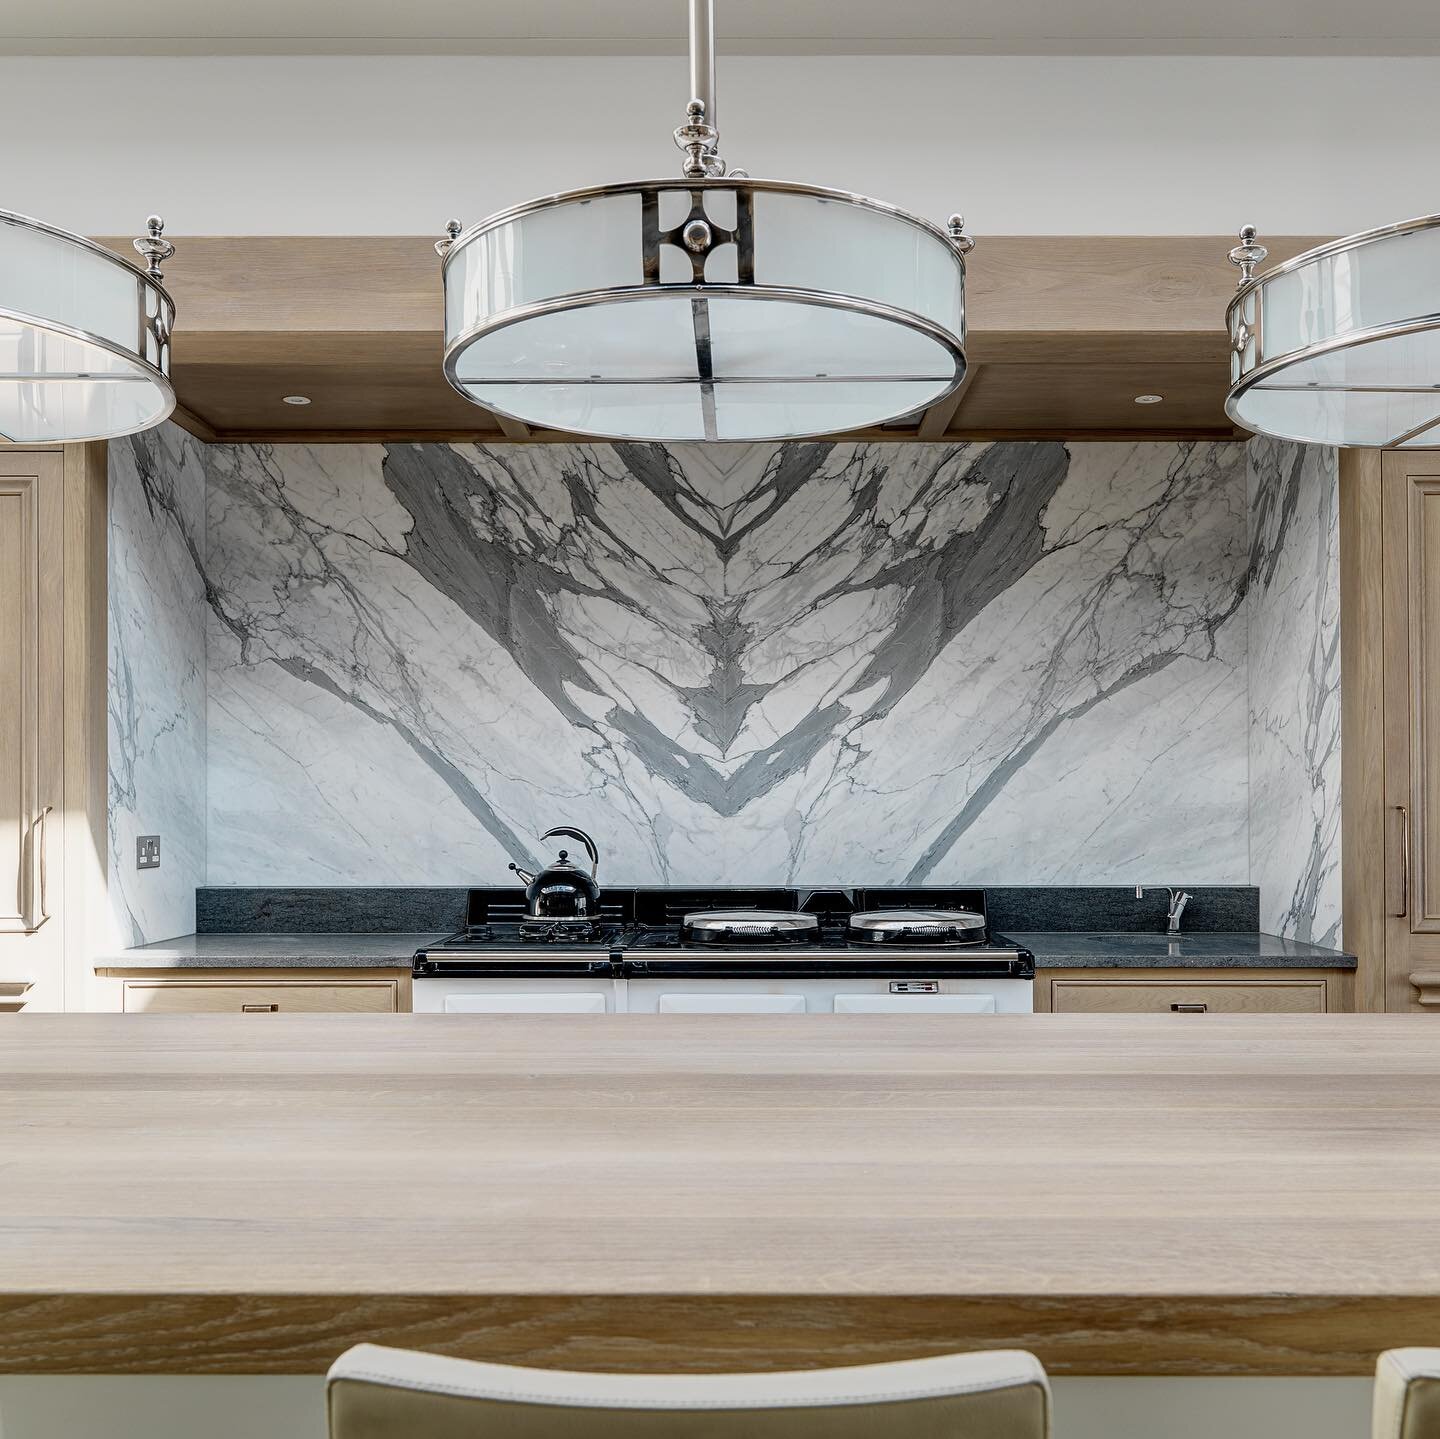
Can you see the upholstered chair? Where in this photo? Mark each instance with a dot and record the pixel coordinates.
(377, 1393)
(1407, 1395)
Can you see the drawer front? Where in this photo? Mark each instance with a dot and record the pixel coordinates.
(914, 1004)
(731, 1004)
(376, 996)
(1103, 996)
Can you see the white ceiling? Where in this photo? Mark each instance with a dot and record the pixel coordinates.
(1041, 27)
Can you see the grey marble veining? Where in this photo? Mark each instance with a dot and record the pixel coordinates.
(1007, 662)
(273, 951)
(1062, 950)
(157, 680)
(1294, 688)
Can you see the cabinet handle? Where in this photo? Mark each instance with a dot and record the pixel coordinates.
(1404, 861)
(259, 1008)
(1189, 1008)
(38, 833)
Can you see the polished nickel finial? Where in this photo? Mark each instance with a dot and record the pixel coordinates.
(955, 228)
(153, 248)
(1247, 254)
(452, 233)
(698, 139)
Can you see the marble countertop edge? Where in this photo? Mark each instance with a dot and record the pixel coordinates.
(1052, 950)
(273, 951)
(1056, 949)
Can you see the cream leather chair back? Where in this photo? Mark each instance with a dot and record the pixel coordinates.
(1407, 1395)
(376, 1393)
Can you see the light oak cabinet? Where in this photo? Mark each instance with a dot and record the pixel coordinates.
(1410, 542)
(1212, 991)
(31, 689)
(258, 991)
(52, 723)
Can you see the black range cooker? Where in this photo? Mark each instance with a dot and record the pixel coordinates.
(913, 936)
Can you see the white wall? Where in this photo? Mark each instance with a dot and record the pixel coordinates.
(392, 145)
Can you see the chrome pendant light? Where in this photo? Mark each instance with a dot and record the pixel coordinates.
(84, 335)
(1341, 345)
(710, 307)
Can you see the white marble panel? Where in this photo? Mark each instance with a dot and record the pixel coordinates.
(1294, 685)
(1014, 662)
(157, 680)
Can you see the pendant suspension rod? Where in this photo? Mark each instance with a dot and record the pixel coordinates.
(702, 57)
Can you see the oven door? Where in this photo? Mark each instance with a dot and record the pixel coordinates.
(724, 996)
(560, 995)
(754, 995)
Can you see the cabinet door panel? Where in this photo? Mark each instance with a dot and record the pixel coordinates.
(19, 698)
(1423, 879)
(1411, 717)
(31, 684)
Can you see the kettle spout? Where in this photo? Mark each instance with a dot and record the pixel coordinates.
(523, 875)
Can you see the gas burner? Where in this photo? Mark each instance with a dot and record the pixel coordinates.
(749, 926)
(556, 931)
(916, 927)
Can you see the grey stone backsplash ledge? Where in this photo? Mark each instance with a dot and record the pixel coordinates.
(355, 909)
(1213, 909)
(342, 909)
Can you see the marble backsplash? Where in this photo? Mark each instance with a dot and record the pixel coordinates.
(157, 681)
(1294, 667)
(1019, 663)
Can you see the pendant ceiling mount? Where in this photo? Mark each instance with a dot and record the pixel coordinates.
(710, 307)
(84, 335)
(1341, 345)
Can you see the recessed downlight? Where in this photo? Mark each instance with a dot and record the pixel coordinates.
(296, 399)
(1148, 399)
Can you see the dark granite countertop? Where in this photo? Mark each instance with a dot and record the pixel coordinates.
(273, 951)
(1055, 949)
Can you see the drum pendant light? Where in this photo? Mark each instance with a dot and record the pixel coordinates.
(1341, 345)
(84, 335)
(710, 307)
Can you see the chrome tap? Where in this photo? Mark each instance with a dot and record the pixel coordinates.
(1178, 900)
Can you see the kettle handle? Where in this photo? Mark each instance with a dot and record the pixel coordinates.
(584, 839)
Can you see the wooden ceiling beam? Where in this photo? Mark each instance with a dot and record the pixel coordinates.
(1064, 332)
(938, 418)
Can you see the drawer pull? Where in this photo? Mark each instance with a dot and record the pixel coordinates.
(259, 1008)
(1189, 1008)
(1404, 862)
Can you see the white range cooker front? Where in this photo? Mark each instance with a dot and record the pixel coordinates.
(918, 995)
(472, 994)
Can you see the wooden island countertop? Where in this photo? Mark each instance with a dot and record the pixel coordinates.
(1121, 1194)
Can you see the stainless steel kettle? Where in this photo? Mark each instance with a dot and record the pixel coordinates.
(563, 890)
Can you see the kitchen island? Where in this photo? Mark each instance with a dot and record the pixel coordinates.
(1121, 1194)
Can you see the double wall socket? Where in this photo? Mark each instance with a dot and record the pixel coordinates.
(147, 852)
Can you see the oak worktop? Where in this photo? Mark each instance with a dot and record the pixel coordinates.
(1122, 1194)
